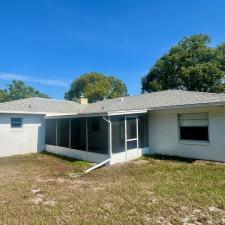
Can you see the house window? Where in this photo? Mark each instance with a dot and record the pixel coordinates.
(194, 126)
(16, 122)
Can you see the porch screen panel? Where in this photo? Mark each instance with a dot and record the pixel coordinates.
(50, 133)
(118, 134)
(131, 128)
(97, 135)
(131, 144)
(143, 131)
(78, 133)
(63, 133)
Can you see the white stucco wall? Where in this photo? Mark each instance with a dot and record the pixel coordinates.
(129, 155)
(77, 154)
(164, 135)
(28, 139)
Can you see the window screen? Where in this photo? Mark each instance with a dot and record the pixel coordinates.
(131, 144)
(50, 134)
(131, 128)
(143, 131)
(118, 134)
(97, 135)
(193, 126)
(16, 122)
(63, 132)
(78, 133)
(95, 124)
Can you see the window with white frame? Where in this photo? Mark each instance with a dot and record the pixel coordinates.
(194, 126)
(16, 122)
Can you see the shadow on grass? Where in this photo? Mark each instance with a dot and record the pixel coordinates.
(65, 158)
(170, 158)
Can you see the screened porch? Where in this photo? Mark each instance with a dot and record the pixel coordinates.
(95, 139)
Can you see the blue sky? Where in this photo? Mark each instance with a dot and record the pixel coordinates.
(49, 43)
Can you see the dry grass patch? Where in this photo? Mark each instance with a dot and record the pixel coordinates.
(44, 189)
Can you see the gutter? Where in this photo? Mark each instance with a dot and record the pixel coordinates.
(186, 106)
(22, 112)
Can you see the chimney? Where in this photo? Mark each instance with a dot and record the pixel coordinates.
(82, 100)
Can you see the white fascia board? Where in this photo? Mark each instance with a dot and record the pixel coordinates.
(60, 115)
(22, 112)
(75, 115)
(112, 113)
(127, 112)
(186, 106)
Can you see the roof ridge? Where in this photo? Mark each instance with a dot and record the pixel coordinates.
(128, 96)
(41, 98)
(204, 92)
(59, 100)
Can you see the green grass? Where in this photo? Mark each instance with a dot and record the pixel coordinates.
(44, 189)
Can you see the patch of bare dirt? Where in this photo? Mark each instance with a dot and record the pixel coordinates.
(140, 162)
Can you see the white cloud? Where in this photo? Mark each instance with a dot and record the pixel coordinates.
(31, 79)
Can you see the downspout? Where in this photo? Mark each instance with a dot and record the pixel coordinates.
(109, 135)
(97, 166)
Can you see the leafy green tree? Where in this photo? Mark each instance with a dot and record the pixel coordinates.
(190, 65)
(3, 96)
(18, 90)
(96, 87)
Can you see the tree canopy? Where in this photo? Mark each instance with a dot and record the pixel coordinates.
(96, 87)
(18, 90)
(190, 65)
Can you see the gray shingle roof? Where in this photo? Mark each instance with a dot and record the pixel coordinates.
(155, 100)
(41, 105)
(150, 101)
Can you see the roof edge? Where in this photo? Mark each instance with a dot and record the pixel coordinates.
(194, 105)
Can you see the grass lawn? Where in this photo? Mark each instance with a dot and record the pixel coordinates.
(44, 189)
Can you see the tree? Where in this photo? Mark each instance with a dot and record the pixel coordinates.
(18, 90)
(3, 96)
(190, 65)
(96, 87)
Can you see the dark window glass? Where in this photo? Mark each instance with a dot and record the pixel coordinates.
(193, 126)
(131, 128)
(78, 134)
(194, 133)
(118, 134)
(63, 132)
(50, 133)
(16, 122)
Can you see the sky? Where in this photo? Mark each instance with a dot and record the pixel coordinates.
(49, 43)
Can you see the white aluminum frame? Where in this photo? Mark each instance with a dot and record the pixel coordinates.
(132, 139)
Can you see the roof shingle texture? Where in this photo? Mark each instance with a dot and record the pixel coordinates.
(41, 105)
(150, 101)
(169, 98)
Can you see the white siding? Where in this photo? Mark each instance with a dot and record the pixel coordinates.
(164, 135)
(28, 139)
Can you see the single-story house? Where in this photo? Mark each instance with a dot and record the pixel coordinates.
(174, 122)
